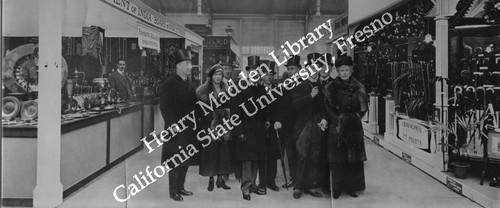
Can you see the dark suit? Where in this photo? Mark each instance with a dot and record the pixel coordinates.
(121, 84)
(271, 143)
(177, 99)
(251, 151)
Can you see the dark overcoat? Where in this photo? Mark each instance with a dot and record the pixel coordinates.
(216, 158)
(253, 127)
(346, 103)
(310, 111)
(273, 150)
(178, 99)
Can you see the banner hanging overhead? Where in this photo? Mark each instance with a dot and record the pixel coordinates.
(148, 38)
(144, 14)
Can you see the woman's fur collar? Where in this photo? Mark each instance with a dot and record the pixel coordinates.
(204, 90)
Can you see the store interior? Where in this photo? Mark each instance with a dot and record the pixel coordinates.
(432, 75)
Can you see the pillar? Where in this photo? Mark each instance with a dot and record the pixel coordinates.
(442, 66)
(48, 191)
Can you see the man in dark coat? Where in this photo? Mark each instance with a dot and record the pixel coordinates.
(346, 103)
(309, 103)
(120, 82)
(250, 142)
(269, 169)
(286, 121)
(325, 78)
(177, 99)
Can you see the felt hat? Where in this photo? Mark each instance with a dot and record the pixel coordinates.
(180, 55)
(294, 61)
(253, 62)
(314, 57)
(343, 60)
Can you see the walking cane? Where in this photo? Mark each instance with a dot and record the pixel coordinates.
(281, 157)
(266, 155)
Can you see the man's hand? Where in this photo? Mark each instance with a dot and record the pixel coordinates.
(242, 138)
(267, 125)
(277, 125)
(314, 91)
(323, 124)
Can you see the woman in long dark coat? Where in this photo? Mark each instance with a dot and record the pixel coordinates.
(346, 103)
(216, 159)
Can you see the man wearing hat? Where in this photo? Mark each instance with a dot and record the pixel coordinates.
(324, 79)
(269, 169)
(177, 99)
(286, 120)
(309, 103)
(250, 135)
(227, 68)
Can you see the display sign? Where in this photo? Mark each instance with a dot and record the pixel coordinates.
(148, 38)
(217, 43)
(414, 134)
(143, 14)
(406, 157)
(454, 185)
(494, 145)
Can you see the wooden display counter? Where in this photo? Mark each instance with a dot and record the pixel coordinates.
(89, 147)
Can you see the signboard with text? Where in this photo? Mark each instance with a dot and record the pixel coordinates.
(148, 38)
(217, 43)
(414, 134)
(145, 15)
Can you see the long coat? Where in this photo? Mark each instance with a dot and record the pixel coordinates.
(121, 84)
(346, 103)
(253, 127)
(272, 145)
(216, 158)
(178, 99)
(310, 111)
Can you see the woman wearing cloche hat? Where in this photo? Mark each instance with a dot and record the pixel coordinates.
(216, 158)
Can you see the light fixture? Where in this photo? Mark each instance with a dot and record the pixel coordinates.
(229, 31)
(428, 37)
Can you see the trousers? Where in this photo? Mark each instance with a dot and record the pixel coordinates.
(176, 179)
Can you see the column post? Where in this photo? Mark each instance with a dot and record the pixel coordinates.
(48, 191)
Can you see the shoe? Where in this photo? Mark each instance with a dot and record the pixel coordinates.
(260, 192)
(176, 197)
(273, 187)
(352, 194)
(211, 184)
(287, 185)
(246, 197)
(223, 185)
(336, 195)
(185, 193)
(297, 194)
(313, 193)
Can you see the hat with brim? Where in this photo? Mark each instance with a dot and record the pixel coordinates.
(180, 55)
(226, 61)
(293, 61)
(313, 58)
(253, 62)
(343, 60)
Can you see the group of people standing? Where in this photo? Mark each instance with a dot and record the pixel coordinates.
(317, 125)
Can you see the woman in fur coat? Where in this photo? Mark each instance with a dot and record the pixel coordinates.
(216, 159)
(346, 103)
